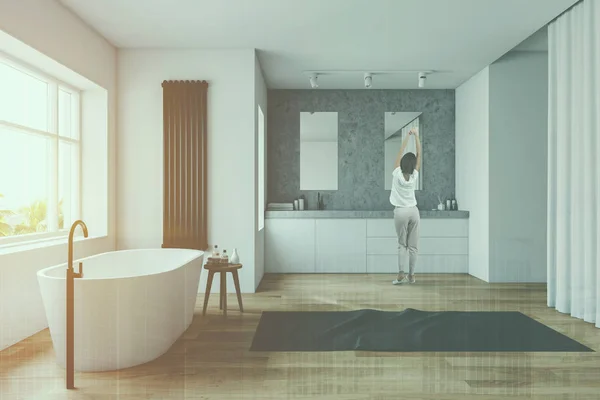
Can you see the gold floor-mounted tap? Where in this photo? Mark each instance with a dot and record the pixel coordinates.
(71, 275)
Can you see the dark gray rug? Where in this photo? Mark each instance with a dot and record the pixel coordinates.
(408, 331)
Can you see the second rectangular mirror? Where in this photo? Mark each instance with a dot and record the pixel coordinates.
(397, 125)
(318, 151)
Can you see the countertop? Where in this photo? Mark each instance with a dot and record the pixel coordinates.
(361, 214)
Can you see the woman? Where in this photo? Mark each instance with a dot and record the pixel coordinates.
(406, 213)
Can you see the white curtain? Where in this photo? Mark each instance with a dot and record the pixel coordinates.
(574, 162)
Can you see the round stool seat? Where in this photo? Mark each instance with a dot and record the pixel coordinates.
(225, 267)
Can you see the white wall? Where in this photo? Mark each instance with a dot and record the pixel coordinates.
(518, 167)
(52, 30)
(231, 148)
(501, 167)
(472, 167)
(260, 93)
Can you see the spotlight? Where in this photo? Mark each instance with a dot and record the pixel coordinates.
(313, 81)
(422, 79)
(368, 80)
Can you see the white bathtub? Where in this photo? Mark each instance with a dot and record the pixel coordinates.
(130, 306)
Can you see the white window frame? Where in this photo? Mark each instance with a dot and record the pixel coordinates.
(261, 157)
(54, 85)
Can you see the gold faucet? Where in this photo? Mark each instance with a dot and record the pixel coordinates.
(71, 234)
(71, 275)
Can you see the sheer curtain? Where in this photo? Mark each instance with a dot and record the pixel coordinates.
(574, 162)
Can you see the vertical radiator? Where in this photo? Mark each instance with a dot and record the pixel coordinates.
(185, 161)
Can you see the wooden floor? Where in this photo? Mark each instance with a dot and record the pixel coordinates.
(212, 360)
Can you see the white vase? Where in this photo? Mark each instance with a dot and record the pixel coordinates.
(234, 259)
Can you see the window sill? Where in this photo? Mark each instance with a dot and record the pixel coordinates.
(42, 243)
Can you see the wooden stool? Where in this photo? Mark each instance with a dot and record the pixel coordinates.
(223, 269)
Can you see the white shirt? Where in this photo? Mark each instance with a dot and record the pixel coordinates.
(403, 191)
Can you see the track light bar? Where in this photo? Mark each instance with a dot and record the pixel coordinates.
(368, 76)
(373, 72)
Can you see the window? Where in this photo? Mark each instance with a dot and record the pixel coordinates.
(39, 154)
(261, 169)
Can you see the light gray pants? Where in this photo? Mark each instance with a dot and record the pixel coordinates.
(407, 228)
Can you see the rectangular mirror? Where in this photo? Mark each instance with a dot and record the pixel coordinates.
(397, 125)
(318, 151)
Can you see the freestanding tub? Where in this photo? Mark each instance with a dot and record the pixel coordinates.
(130, 306)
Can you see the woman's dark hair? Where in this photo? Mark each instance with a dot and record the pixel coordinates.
(408, 163)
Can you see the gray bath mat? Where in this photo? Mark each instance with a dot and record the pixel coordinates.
(408, 331)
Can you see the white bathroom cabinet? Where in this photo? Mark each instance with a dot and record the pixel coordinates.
(290, 245)
(340, 245)
(361, 245)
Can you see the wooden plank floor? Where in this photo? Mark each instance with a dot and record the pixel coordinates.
(212, 360)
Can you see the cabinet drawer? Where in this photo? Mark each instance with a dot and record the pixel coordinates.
(427, 245)
(428, 227)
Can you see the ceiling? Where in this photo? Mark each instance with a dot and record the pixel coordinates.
(536, 42)
(458, 38)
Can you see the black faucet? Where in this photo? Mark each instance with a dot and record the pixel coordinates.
(320, 205)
